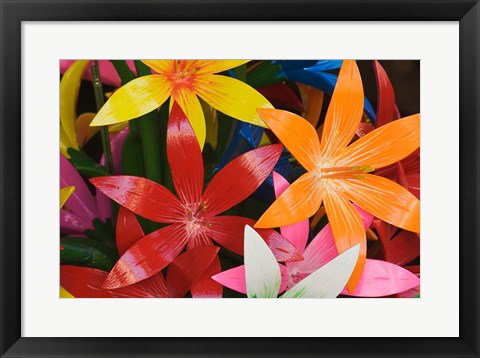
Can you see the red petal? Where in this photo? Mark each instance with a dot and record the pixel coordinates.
(184, 157)
(142, 196)
(205, 287)
(187, 268)
(282, 96)
(86, 282)
(148, 256)
(228, 231)
(128, 230)
(386, 96)
(404, 248)
(240, 178)
(364, 128)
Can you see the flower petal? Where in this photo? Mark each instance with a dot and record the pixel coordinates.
(386, 96)
(147, 257)
(69, 87)
(136, 98)
(404, 248)
(160, 66)
(297, 233)
(216, 66)
(142, 196)
(72, 224)
(191, 106)
(312, 99)
(385, 145)
(300, 201)
(384, 199)
(81, 202)
(83, 130)
(232, 97)
(329, 280)
(205, 287)
(225, 190)
(347, 227)
(262, 273)
(281, 95)
(228, 231)
(128, 230)
(86, 282)
(234, 279)
(381, 278)
(296, 134)
(65, 194)
(184, 157)
(345, 110)
(188, 268)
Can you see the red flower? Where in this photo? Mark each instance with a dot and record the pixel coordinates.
(183, 272)
(193, 216)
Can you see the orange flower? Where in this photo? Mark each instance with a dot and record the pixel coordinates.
(338, 173)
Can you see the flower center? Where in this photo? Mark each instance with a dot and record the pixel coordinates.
(195, 218)
(356, 172)
(183, 74)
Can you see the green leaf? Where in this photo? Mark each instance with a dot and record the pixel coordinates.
(104, 233)
(85, 165)
(132, 156)
(266, 73)
(124, 72)
(167, 174)
(82, 251)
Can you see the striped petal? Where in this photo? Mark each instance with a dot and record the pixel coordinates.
(184, 157)
(69, 87)
(232, 97)
(348, 229)
(136, 98)
(385, 145)
(128, 230)
(329, 280)
(262, 273)
(226, 190)
(385, 94)
(191, 106)
(300, 201)
(345, 110)
(384, 199)
(205, 287)
(142, 196)
(297, 233)
(296, 134)
(147, 257)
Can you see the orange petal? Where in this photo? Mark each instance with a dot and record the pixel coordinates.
(83, 129)
(384, 199)
(385, 145)
(347, 228)
(295, 133)
(312, 99)
(345, 110)
(301, 200)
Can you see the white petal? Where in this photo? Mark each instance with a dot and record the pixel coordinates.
(262, 273)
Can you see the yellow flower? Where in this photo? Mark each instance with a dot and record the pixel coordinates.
(183, 81)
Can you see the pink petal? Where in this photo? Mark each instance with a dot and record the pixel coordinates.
(72, 224)
(81, 202)
(381, 278)
(297, 233)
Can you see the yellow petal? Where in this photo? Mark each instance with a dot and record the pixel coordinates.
(114, 128)
(69, 87)
(190, 105)
(312, 100)
(65, 143)
(65, 294)
(265, 140)
(65, 194)
(215, 66)
(136, 98)
(211, 123)
(385, 145)
(347, 228)
(345, 110)
(384, 199)
(298, 202)
(296, 134)
(232, 97)
(83, 129)
(160, 66)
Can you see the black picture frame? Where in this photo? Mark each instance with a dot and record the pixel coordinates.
(13, 12)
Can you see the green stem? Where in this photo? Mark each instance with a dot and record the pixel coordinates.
(100, 101)
(149, 130)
